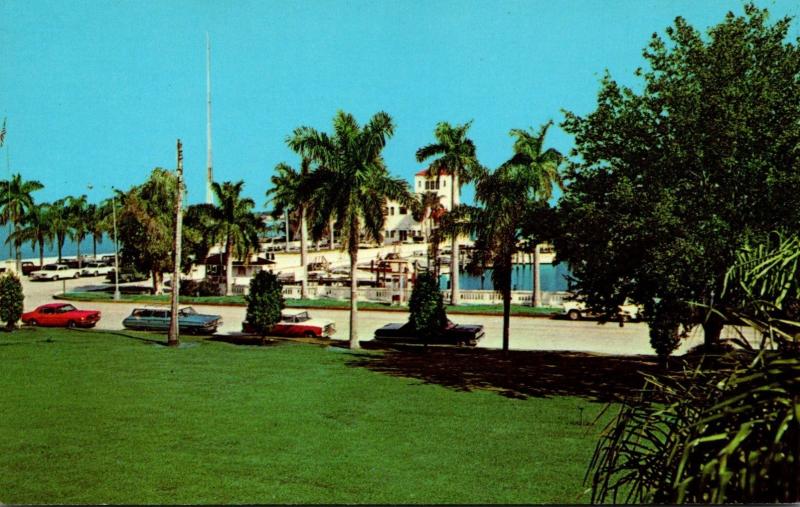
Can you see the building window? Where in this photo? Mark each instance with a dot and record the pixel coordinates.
(437, 185)
(427, 185)
(391, 210)
(444, 183)
(419, 184)
(403, 211)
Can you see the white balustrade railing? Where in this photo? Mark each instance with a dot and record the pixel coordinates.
(475, 297)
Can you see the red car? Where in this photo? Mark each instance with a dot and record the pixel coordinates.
(61, 315)
(296, 323)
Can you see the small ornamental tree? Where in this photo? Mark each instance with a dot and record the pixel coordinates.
(10, 299)
(428, 315)
(264, 302)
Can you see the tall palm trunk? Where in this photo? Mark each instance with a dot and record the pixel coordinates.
(537, 277)
(94, 247)
(79, 252)
(455, 294)
(228, 265)
(41, 251)
(353, 247)
(60, 239)
(507, 306)
(330, 227)
(287, 231)
(158, 278)
(303, 254)
(17, 252)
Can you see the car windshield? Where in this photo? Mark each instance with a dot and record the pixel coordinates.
(50, 267)
(66, 308)
(187, 311)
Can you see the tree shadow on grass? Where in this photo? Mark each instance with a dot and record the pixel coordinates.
(519, 374)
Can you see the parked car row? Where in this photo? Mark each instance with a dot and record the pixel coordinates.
(294, 323)
(142, 319)
(56, 271)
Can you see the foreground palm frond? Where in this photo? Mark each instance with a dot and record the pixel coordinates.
(728, 432)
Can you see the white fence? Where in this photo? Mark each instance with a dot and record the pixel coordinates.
(468, 297)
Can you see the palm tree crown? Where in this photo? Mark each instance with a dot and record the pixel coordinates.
(351, 183)
(236, 223)
(456, 156)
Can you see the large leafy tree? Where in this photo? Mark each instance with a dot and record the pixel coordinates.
(669, 181)
(351, 183)
(286, 195)
(453, 154)
(236, 224)
(146, 225)
(16, 202)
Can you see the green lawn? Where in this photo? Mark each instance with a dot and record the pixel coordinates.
(516, 310)
(113, 417)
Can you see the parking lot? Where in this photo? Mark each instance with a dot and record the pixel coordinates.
(527, 333)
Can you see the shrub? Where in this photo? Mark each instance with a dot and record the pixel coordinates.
(426, 306)
(264, 302)
(11, 298)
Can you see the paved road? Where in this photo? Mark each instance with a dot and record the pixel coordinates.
(526, 333)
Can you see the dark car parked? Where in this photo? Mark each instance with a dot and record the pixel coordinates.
(28, 267)
(157, 319)
(451, 334)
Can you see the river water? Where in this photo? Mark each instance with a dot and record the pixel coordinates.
(553, 278)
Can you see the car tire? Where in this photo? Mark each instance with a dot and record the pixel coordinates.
(574, 315)
(55, 278)
(77, 275)
(33, 322)
(71, 324)
(309, 334)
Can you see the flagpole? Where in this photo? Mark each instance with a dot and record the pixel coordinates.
(209, 170)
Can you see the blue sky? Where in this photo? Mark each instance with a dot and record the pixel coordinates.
(97, 92)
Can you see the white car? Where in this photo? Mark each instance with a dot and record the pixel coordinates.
(576, 310)
(96, 269)
(55, 272)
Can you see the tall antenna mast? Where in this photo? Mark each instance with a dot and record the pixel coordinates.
(209, 170)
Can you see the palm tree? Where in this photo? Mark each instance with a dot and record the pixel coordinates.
(285, 195)
(59, 223)
(351, 184)
(36, 229)
(15, 203)
(529, 151)
(236, 223)
(509, 199)
(78, 216)
(456, 157)
(95, 226)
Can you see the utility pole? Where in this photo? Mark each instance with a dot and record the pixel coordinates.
(173, 339)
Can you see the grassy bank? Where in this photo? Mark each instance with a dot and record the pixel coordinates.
(98, 417)
(516, 310)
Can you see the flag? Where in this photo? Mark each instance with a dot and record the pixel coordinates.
(3, 133)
